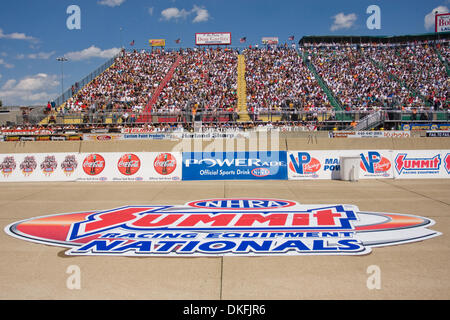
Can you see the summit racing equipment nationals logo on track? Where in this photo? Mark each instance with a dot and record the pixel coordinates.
(217, 227)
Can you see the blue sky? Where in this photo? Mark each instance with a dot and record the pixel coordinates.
(33, 33)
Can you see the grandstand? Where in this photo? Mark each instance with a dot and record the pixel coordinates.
(331, 82)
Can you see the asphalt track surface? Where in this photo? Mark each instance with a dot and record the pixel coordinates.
(409, 271)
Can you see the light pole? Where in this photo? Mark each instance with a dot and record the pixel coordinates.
(62, 60)
(121, 40)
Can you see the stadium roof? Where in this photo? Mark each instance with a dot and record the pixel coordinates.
(371, 39)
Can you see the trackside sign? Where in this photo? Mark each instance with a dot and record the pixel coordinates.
(224, 227)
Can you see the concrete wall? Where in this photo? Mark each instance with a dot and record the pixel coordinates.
(307, 143)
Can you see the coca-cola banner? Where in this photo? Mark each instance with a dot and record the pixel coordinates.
(117, 166)
(130, 166)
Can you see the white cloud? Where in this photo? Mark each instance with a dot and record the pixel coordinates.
(430, 17)
(34, 56)
(111, 3)
(92, 52)
(342, 21)
(174, 13)
(16, 36)
(29, 90)
(6, 65)
(201, 14)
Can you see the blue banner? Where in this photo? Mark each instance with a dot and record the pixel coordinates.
(258, 165)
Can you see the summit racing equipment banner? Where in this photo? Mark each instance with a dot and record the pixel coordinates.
(224, 227)
(421, 164)
(258, 165)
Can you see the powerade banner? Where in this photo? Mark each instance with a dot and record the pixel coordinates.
(321, 164)
(224, 227)
(258, 165)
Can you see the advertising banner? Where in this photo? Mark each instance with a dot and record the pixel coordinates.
(325, 164)
(137, 166)
(424, 126)
(421, 164)
(438, 133)
(157, 42)
(213, 38)
(370, 134)
(442, 22)
(258, 165)
(270, 40)
(38, 167)
(102, 137)
(144, 166)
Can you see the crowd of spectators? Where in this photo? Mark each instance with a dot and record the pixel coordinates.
(205, 81)
(363, 78)
(278, 80)
(355, 79)
(419, 68)
(370, 77)
(124, 87)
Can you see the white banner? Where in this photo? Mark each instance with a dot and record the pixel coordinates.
(325, 164)
(370, 134)
(138, 166)
(38, 167)
(421, 164)
(213, 38)
(442, 22)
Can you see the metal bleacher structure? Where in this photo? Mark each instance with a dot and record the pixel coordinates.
(362, 123)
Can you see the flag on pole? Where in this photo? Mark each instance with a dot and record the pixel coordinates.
(242, 40)
(178, 40)
(132, 43)
(291, 38)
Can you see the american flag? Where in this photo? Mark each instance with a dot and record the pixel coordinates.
(132, 43)
(242, 40)
(291, 38)
(178, 40)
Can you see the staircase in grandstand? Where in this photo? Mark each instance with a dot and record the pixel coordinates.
(368, 122)
(242, 90)
(333, 100)
(443, 60)
(157, 92)
(401, 82)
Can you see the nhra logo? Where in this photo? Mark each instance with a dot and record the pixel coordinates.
(405, 164)
(217, 227)
(260, 172)
(374, 163)
(304, 163)
(93, 164)
(247, 204)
